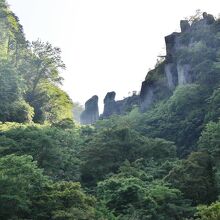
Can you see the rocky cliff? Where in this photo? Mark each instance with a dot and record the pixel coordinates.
(120, 107)
(188, 52)
(111, 107)
(91, 113)
(176, 69)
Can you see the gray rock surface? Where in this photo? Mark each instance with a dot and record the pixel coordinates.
(171, 75)
(91, 113)
(183, 74)
(146, 96)
(209, 18)
(112, 107)
(161, 81)
(184, 25)
(176, 71)
(170, 41)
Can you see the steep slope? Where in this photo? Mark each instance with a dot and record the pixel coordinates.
(192, 56)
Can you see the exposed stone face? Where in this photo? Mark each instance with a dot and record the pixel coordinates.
(128, 103)
(170, 41)
(183, 74)
(120, 107)
(184, 25)
(171, 75)
(176, 71)
(146, 96)
(110, 97)
(209, 18)
(110, 106)
(91, 113)
(160, 82)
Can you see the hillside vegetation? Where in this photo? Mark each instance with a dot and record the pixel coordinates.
(159, 165)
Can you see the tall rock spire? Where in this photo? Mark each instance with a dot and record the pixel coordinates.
(91, 113)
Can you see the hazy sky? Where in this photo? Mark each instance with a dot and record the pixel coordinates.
(106, 44)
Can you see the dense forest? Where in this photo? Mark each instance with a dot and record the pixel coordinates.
(161, 164)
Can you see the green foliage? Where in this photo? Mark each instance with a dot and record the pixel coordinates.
(56, 150)
(65, 124)
(213, 113)
(45, 63)
(195, 178)
(37, 66)
(109, 148)
(51, 104)
(201, 51)
(21, 112)
(25, 193)
(42, 75)
(10, 89)
(179, 119)
(147, 170)
(157, 79)
(64, 201)
(103, 213)
(128, 162)
(20, 182)
(211, 212)
(12, 106)
(12, 41)
(209, 140)
(197, 53)
(126, 196)
(131, 198)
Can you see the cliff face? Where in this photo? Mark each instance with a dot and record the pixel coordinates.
(120, 107)
(176, 69)
(189, 54)
(111, 107)
(91, 113)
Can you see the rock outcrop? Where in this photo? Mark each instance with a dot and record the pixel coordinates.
(170, 70)
(91, 113)
(146, 95)
(207, 19)
(175, 69)
(112, 107)
(184, 25)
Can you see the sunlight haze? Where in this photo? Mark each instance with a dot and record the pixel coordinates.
(107, 45)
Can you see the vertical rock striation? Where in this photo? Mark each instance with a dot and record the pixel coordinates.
(110, 105)
(175, 70)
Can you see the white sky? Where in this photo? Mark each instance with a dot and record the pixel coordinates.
(106, 44)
